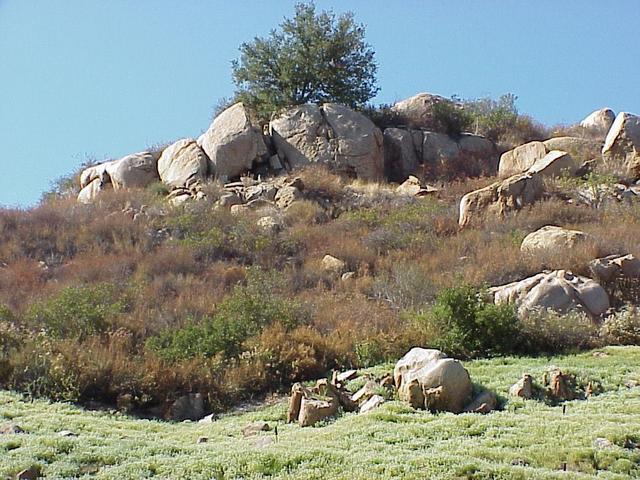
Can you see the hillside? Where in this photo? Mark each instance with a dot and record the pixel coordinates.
(527, 439)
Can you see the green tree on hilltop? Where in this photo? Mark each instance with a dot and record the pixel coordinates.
(311, 58)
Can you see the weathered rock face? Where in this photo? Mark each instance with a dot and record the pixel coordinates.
(501, 197)
(579, 148)
(554, 164)
(183, 163)
(187, 407)
(599, 122)
(557, 240)
(412, 152)
(521, 158)
(428, 379)
(333, 265)
(558, 290)
(137, 170)
(400, 155)
(418, 111)
(90, 192)
(232, 143)
(330, 134)
(621, 149)
(523, 388)
(615, 266)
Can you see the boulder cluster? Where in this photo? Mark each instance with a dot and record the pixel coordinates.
(614, 139)
(333, 135)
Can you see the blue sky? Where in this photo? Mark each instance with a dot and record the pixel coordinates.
(99, 79)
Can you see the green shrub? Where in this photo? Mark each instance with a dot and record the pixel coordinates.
(463, 323)
(76, 312)
(493, 118)
(450, 118)
(240, 316)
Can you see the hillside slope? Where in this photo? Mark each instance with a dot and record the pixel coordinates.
(524, 440)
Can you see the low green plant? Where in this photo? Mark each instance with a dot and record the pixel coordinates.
(241, 315)
(76, 312)
(450, 118)
(463, 323)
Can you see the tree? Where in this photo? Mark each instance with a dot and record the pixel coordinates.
(312, 58)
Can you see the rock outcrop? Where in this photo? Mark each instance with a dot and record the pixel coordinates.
(501, 197)
(419, 111)
(554, 164)
(132, 171)
(232, 143)
(428, 379)
(552, 239)
(621, 150)
(182, 164)
(415, 152)
(615, 266)
(599, 122)
(521, 158)
(558, 290)
(330, 134)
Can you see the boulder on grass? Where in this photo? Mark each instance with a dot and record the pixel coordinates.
(333, 265)
(523, 388)
(556, 163)
(435, 382)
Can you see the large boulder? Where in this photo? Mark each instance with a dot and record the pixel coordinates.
(558, 290)
(554, 164)
(233, 143)
(559, 240)
(90, 192)
(599, 122)
(521, 158)
(330, 134)
(183, 163)
(419, 111)
(426, 378)
(621, 150)
(510, 194)
(400, 156)
(137, 170)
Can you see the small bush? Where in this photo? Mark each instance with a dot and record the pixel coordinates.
(546, 331)
(622, 328)
(451, 118)
(464, 324)
(76, 312)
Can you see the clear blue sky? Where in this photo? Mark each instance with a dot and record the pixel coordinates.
(98, 78)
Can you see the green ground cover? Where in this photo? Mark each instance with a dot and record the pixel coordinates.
(526, 439)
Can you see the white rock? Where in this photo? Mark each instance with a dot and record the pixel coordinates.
(374, 402)
(621, 149)
(559, 290)
(559, 240)
(521, 158)
(599, 121)
(232, 143)
(554, 164)
(183, 163)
